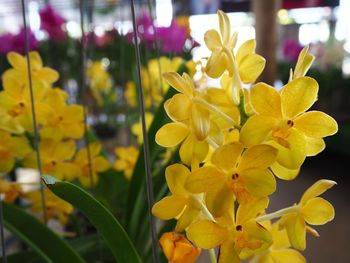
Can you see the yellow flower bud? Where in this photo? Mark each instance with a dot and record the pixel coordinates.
(178, 249)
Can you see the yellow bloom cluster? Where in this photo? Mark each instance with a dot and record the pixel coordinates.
(233, 143)
(59, 125)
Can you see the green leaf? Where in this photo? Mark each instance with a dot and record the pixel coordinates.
(106, 224)
(39, 237)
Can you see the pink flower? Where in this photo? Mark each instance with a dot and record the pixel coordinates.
(52, 22)
(15, 42)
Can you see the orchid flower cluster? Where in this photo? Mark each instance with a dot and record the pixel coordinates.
(233, 143)
(59, 124)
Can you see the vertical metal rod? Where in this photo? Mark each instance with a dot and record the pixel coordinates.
(156, 42)
(149, 184)
(35, 126)
(83, 92)
(3, 245)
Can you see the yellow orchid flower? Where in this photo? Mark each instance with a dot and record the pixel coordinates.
(244, 67)
(11, 190)
(136, 128)
(181, 204)
(126, 160)
(63, 121)
(221, 45)
(98, 164)
(280, 251)
(235, 172)
(15, 100)
(55, 206)
(312, 210)
(238, 239)
(39, 73)
(9, 124)
(55, 159)
(11, 147)
(178, 249)
(130, 94)
(283, 122)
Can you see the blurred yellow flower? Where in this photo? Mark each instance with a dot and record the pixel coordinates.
(98, 164)
(11, 190)
(126, 160)
(11, 147)
(39, 73)
(55, 206)
(55, 159)
(130, 94)
(136, 128)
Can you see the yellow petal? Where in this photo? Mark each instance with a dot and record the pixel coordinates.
(216, 64)
(179, 107)
(251, 210)
(259, 156)
(171, 134)
(100, 164)
(177, 82)
(187, 217)
(6, 165)
(259, 183)
(318, 211)
(257, 129)
(225, 28)
(48, 74)
(204, 179)
(226, 157)
(317, 189)
(287, 255)
(316, 124)
(298, 96)
(266, 100)
(248, 47)
(304, 63)
(17, 61)
(176, 175)
(219, 201)
(200, 121)
(206, 234)
(35, 60)
(212, 39)
(64, 150)
(314, 146)
(191, 149)
(296, 230)
(251, 67)
(293, 156)
(228, 253)
(169, 207)
(284, 173)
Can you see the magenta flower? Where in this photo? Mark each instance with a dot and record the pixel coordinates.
(172, 38)
(15, 42)
(52, 22)
(291, 49)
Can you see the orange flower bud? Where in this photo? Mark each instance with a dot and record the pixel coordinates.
(178, 249)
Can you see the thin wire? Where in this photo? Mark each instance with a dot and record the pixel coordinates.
(3, 245)
(149, 184)
(83, 92)
(36, 132)
(156, 42)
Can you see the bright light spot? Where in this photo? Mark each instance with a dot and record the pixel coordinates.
(346, 66)
(73, 29)
(99, 31)
(312, 33)
(164, 11)
(309, 15)
(29, 179)
(33, 14)
(284, 17)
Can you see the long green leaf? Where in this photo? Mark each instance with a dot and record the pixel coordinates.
(40, 238)
(109, 228)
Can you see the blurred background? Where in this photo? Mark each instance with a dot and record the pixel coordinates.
(174, 29)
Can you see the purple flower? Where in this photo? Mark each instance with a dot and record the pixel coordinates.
(291, 50)
(15, 42)
(52, 22)
(172, 38)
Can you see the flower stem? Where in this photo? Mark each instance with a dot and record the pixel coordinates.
(279, 213)
(212, 255)
(214, 109)
(203, 208)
